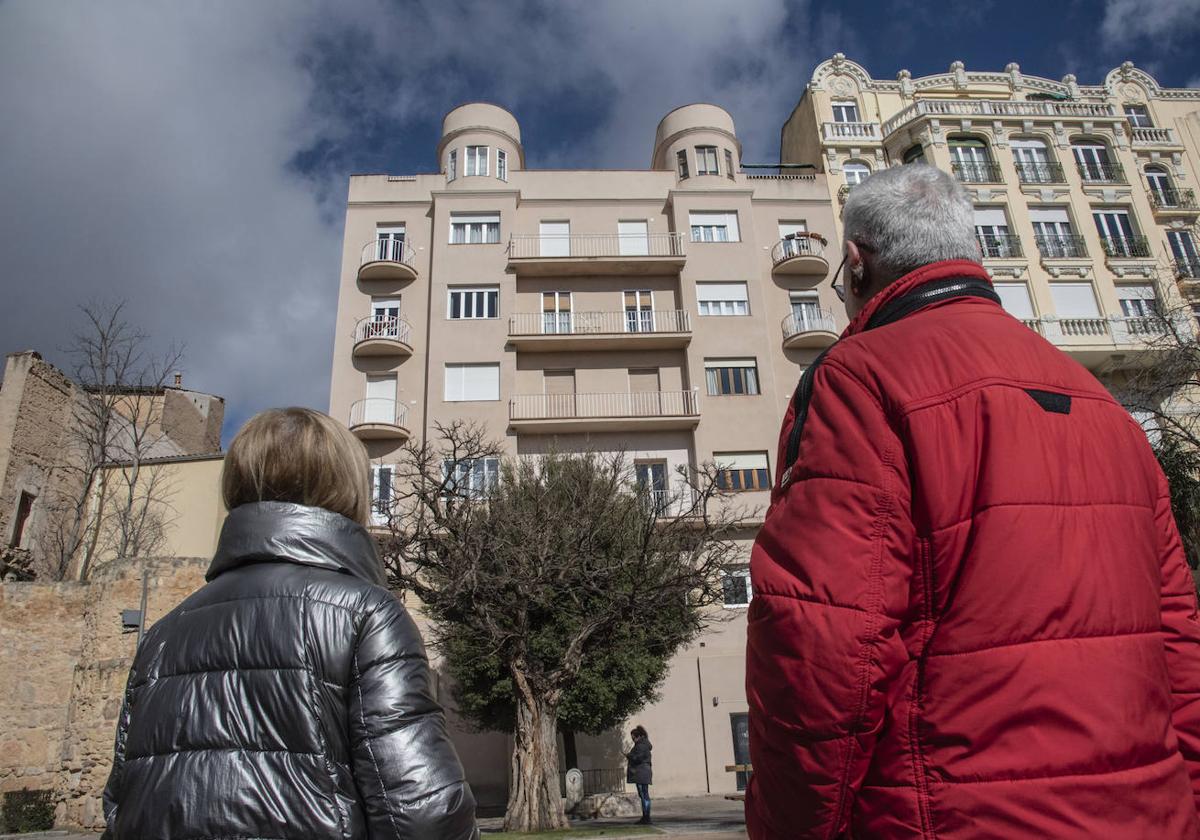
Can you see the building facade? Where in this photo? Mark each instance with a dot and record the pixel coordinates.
(665, 312)
(1085, 196)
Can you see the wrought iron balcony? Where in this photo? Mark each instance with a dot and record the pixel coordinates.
(1004, 246)
(971, 172)
(842, 132)
(379, 419)
(1061, 247)
(387, 259)
(1126, 247)
(1173, 199)
(629, 410)
(382, 337)
(1101, 173)
(809, 328)
(1040, 173)
(1186, 269)
(621, 330)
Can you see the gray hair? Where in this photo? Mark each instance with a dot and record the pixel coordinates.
(909, 216)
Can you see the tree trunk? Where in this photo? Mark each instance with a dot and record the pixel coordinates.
(534, 801)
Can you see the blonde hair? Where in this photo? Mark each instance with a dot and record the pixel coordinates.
(298, 455)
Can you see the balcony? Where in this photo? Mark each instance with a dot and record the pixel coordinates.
(1186, 269)
(1174, 201)
(800, 254)
(387, 259)
(629, 330)
(850, 133)
(1062, 247)
(998, 108)
(1101, 173)
(577, 254)
(382, 337)
(1001, 246)
(1154, 137)
(1096, 342)
(646, 410)
(379, 419)
(1126, 247)
(808, 329)
(977, 172)
(1040, 173)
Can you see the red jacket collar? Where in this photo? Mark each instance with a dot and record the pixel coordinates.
(925, 274)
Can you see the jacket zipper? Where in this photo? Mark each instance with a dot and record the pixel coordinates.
(888, 314)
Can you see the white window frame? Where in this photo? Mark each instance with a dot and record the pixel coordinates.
(560, 319)
(473, 298)
(845, 108)
(379, 505)
(452, 165)
(757, 461)
(749, 377)
(1141, 120)
(706, 161)
(714, 226)
(481, 474)
(455, 380)
(476, 160)
(860, 172)
(729, 164)
(723, 306)
(502, 164)
(470, 223)
(681, 165)
(1137, 300)
(742, 573)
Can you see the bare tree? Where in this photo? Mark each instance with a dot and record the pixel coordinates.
(541, 563)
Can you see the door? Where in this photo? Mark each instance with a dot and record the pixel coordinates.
(792, 235)
(806, 312)
(554, 239)
(652, 478)
(991, 229)
(970, 158)
(740, 725)
(385, 318)
(639, 311)
(644, 396)
(560, 392)
(1032, 160)
(1093, 162)
(1116, 230)
(1183, 249)
(556, 312)
(1160, 186)
(381, 400)
(633, 239)
(389, 243)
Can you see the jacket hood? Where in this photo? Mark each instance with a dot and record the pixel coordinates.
(298, 534)
(943, 270)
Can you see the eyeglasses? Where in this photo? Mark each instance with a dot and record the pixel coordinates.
(838, 288)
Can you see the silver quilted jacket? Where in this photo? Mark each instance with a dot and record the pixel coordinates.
(288, 698)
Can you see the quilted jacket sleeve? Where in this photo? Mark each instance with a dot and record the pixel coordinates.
(406, 768)
(831, 570)
(1181, 636)
(112, 790)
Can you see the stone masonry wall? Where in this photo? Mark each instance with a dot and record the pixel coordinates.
(65, 659)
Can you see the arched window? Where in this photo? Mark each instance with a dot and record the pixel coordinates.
(856, 172)
(914, 154)
(1162, 193)
(1034, 163)
(971, 162)
(1095, 162)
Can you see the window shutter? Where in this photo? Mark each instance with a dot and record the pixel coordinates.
(1074, 300)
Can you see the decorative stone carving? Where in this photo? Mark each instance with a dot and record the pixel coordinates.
(1060, 134)
(1072, 85)
(1015, 79)
(833, 165)
(879, 163)
(959, 71)
(1089, 127)
(842, 86)
(965, 125)
(904, 77)
(935, 132)
(999, 138)
(1013, 271)
(1122, 135)
(1027, 126)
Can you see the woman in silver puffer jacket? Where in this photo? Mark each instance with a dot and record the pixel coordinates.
(290, 697)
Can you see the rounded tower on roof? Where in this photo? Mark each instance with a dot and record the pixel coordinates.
(697, 140)
(480, 139)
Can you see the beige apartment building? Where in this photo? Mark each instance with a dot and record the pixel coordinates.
(667, 312)
(1085, 196)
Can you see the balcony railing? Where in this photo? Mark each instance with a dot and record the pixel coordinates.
(800, 246)
(1186, 269)
(1081, 327)
(865, 131)
(1000, 246)
(600, 323)
(1173, 199)
(1063, 247)
(389, 250)
(618, 405)
(1154, 137)
(1126, 247)
(1101, 173)
(393, 329)
(996, 108)
(583, 245)
(378, 411)
(808, 321)
(1040, 173)
(983, 172)
(1143, 325)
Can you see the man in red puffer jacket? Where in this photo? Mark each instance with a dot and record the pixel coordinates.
(972, 617)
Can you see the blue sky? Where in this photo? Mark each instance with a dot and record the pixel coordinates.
(192, 157)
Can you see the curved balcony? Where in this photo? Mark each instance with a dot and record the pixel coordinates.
(809, 329)
(382, 337)
(801, 255)
(387, 259)
(379, 419)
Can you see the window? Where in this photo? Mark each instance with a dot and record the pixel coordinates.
(1052, 230)
(452, 165)
(379, 406)
(473, 303)
(681, 164)
(467, 382)
(389, 243)
(652, 479)
(914, 154)
(722, 298)
(845, 110)
(1162, 194)
(739, 471)
(381, 493)
(1137, 300)
(730, 377)
(970, 160)
(639, 311)
(474, 229)
(470, 478)
(1116, 233)
(477, 160)
(1138, 116)
(1014, 297)
(1032, 159)
(24, 509)
(714, 227)
(706, 160)
(729, 164)
(736, 583)
(991, 229)
(502, 164)
(1074, 300)
(856, 172)
(1184, 251)
(807, 314)
(385, 318)
(556, 312)
(1093, 162)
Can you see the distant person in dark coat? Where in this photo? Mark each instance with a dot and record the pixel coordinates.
(639, 771)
